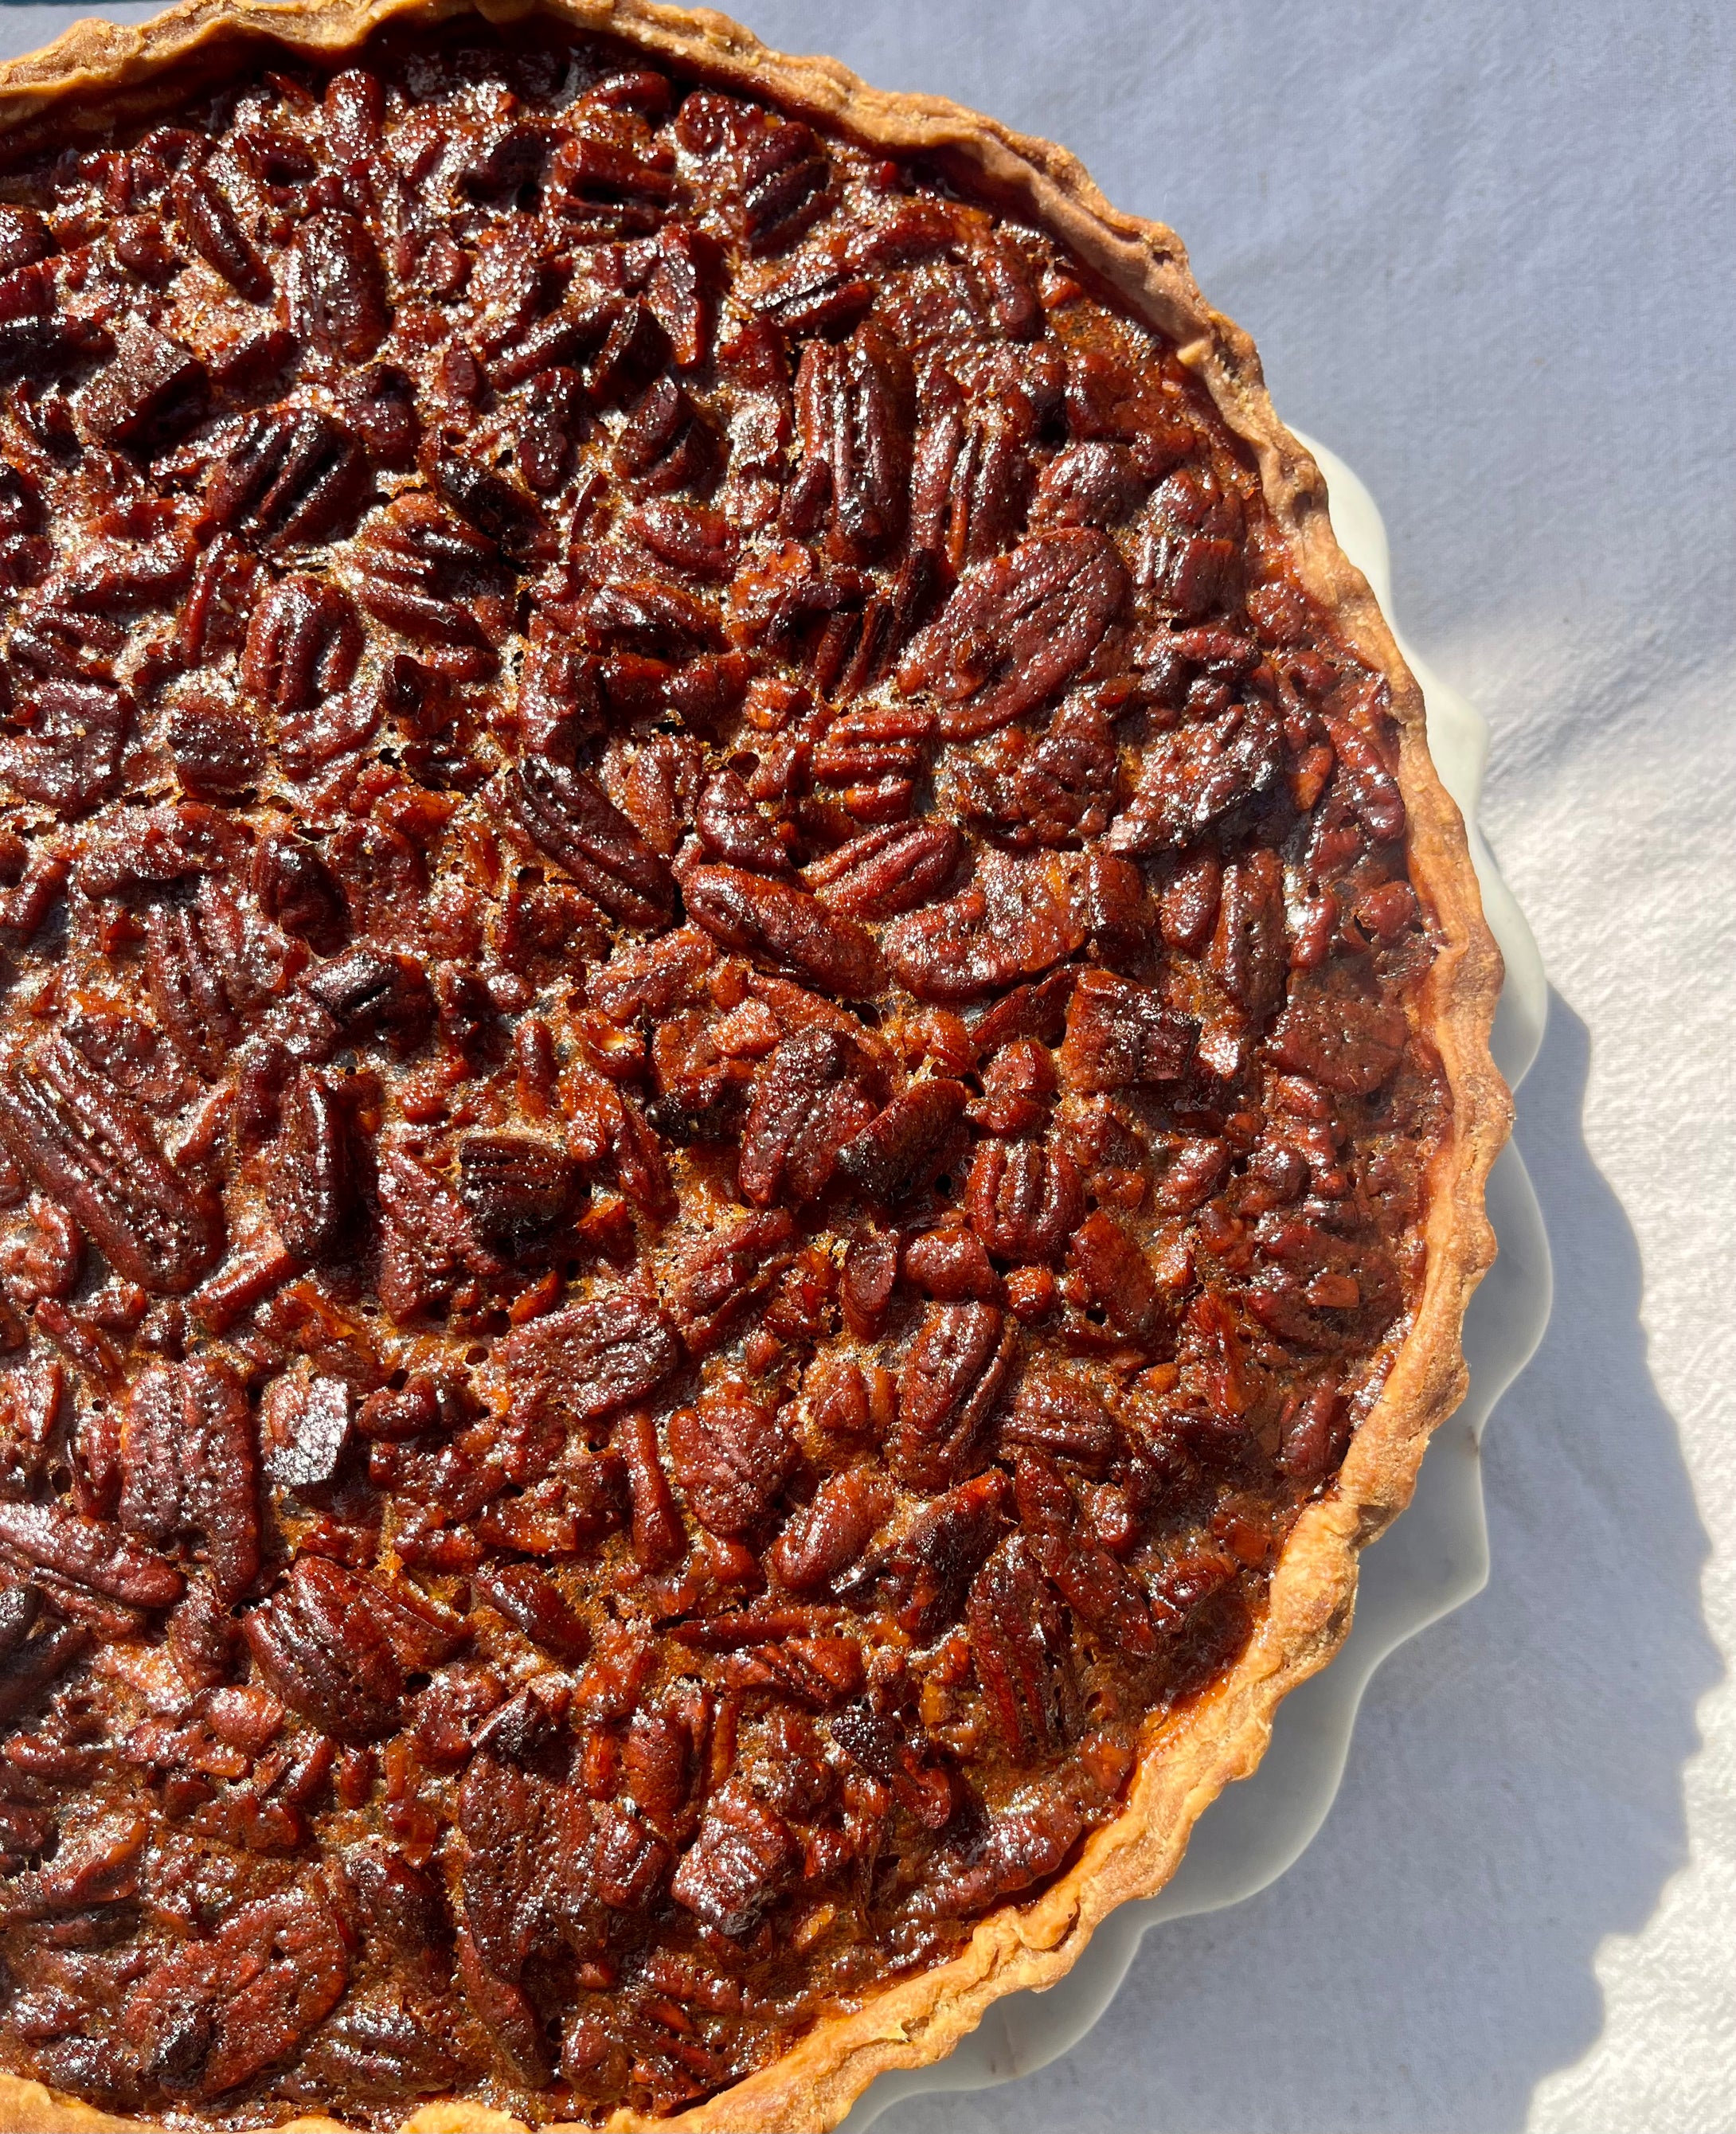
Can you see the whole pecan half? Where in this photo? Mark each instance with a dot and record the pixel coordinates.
(784, 928)
(187, 1464)
(1017, 628)
(569, 819)
(86, 1145)
(947, 1388)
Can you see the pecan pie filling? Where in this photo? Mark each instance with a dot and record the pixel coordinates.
(709, 1107)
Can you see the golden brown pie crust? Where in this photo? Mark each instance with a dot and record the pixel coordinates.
(1191, 1756)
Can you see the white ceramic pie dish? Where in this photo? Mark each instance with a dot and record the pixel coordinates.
(1435, 1557)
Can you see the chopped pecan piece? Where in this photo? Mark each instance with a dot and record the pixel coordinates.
(296, 890)
(1093, 484)
(1120, 1035)
(953, 1265)
(870, 1269)
(1315, 1430)
(70, 755)
(1094, 1585)
(889, 1753)
(1193, 564)
(154, 392)
(776, 174)
(533, 1603)
(30, 1668)
(525, 1843)
(893, 1152)
(1347, 1045)
(491, 503)
(304, 1427)
(1121, 1279)
(1053, 791)
(368, 994)
(740, 1861)
(185, 983)
(1193, 779)
(713, 1279)
(382, 2045)
(507, 2014)
(732, 829)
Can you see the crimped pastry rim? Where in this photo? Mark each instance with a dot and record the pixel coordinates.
(1191, 1756)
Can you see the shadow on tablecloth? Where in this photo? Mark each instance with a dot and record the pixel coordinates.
(1515, 1790)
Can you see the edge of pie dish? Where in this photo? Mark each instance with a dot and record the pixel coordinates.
(1188, 1756)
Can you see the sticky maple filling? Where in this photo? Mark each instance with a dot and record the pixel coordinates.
(708, 1103)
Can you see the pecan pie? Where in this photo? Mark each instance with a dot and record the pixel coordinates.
(743, 1084)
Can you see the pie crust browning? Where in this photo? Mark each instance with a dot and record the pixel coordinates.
(1192, 1754)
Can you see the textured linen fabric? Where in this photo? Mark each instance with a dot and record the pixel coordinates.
(1487, 253)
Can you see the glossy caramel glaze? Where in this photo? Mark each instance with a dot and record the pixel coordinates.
(709, 1107)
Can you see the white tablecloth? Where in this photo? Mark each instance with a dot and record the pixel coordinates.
(1487, 253)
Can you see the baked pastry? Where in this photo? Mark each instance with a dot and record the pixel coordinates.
(744, 1075)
